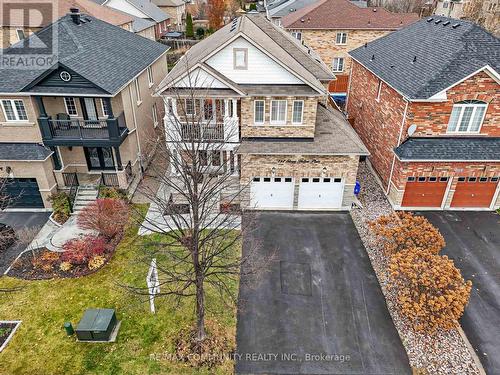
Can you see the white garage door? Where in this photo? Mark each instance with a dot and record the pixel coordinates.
(320, 193)
(272, 192)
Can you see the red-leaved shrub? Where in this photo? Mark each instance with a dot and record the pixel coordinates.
(107, 216)
(81, 250)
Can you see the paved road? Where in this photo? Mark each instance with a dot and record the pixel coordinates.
(473, 242)
(319, 296)
(18, 221)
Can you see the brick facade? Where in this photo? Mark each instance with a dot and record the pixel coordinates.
(378, 122)
(323, 42)
(289, 130)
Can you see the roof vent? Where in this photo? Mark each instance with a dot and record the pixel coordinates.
(455, 25)
(437, 21)
(429, 19)
(374, 9)
(75, 15)
(366, 44)
(373, 58)
(302, 20)
(446, 23)
(414, 59)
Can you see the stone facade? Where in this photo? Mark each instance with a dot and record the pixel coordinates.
(298, 166)
(323, 42)
(289, 130)
(380, 122)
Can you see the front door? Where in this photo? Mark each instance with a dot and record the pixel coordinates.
(89, 109)
(99, 158)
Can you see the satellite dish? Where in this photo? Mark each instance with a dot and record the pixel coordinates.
(412, 129)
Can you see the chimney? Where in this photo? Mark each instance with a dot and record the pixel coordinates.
(75, 15)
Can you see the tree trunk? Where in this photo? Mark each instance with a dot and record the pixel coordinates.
(200, 308)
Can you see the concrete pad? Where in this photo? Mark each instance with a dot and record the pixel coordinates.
(67, 232)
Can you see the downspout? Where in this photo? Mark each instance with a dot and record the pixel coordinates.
(348, 89)
(132, 104)
(399, 142)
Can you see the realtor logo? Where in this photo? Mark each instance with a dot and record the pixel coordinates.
(23, 49)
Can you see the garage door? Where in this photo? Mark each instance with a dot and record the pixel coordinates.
(320, 193)
(24, 193)
(474, 192)
(272, 192)
(424, 191)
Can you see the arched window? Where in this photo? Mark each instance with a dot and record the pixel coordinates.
(467, 116)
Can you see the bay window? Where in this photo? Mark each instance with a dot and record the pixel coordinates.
(298, 109)
(467, 116)
(278, 112)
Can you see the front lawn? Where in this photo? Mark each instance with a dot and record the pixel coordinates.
(40, 345)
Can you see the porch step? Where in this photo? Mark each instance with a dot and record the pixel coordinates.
(84, 196)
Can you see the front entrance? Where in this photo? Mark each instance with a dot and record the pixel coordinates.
(99, 158)
(89, 108)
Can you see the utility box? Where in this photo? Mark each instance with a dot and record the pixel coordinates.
(96, 325)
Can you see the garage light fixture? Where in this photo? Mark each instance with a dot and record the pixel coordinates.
(323, 174)
(273, 171)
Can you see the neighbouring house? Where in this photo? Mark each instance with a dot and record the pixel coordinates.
(426, 102)
(85, 117)
(144, 10)
(269, 94)
(450, 8)
(19, 18)
(334, 27)
(177, 11)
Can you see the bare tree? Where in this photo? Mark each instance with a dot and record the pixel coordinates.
(404, 6)
(197, 208)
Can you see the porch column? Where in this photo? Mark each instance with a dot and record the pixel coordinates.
(235, 108)
(118, 157)
(174, 106)
(107, 104)
(41, 106)
(226, 107)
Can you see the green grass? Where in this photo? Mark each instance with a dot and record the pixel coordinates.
(40, 345)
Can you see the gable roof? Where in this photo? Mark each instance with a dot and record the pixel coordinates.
(342, 14)
(429, 56)
(106, 55)
(282, 8)
(42, 19)
(284, 48)
(24, 151)
(146, 7)
(168, 3)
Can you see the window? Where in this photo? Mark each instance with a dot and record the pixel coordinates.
(467, 116)
(297, 35)
(411, 179)
(208, 109)
(338, 64)
(150, 76)
(337, 180)
(240, 58)
(155, 115)
(104, 107)
(137, 91)
(379, 90)
(190, 107)
(20, 34)
(70, 105)
(341, 38)
(278, 111)
(298, 109)
(216, 158)
(259, 108)
(14, 110)
(445, 4)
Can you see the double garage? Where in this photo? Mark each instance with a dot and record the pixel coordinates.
(468, 192)
(308, 193)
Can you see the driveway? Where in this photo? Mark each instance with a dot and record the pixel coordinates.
(473, 242)
(18, 221)
(318, 309)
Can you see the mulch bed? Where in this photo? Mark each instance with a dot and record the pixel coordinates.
(5, 331)
(43, 264)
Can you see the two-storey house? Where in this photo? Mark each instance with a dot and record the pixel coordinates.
(426, 101)
(289, 149)
(332, 28)
(79, 110)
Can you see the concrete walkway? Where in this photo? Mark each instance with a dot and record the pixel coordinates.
(67, 232)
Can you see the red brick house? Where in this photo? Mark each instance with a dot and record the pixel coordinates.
(426, 102)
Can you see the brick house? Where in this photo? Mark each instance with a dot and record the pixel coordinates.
(332, 28)
(426, 101)
(85, 117)
(267, 102)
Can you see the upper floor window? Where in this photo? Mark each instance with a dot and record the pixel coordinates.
(341, 38)
(150, 76)
(278, 111)
(297, 35)
(338, 64)
(14, 110)
(137, 91)
(259, 108)
(190, 107)
(70, 104)
(240, 58)
(467, 116)
(20, 34)
(104, 107)
(298, 110)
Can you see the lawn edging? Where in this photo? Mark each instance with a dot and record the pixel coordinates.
(11, 334)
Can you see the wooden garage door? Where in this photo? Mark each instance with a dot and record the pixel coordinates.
(474, 192)
(424, 191)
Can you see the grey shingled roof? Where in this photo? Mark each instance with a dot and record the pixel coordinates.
(449, 149)
(150, 9)
(281, 9)
(106, 55)
(139, 24)
(269, 37)
(443, 55)
(333, 136)
(23, 151)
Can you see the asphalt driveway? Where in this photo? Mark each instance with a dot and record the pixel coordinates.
(318, 309)
(473, 242)
(18, 221)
